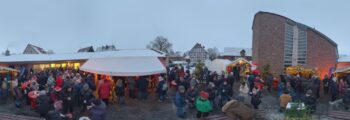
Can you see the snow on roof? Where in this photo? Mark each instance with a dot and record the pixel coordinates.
(344, 58)
(230, 51)
(78, 56)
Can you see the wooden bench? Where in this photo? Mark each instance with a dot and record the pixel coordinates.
(335, 104)
(4, 116)
(217, 117)
(339, 115)
(260, 114)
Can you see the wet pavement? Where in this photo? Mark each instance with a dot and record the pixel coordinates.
(151, 109)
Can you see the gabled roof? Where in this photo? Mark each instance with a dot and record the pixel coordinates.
(86, 49)
(197, 45)
(309, 28)
(37, 49)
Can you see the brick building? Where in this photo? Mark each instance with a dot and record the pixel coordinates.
(282, 42)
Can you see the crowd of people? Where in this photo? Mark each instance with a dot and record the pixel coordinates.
(64, 94)
(58, 94)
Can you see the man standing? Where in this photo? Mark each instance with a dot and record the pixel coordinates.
(142, 88)
(180, 102)
(162, 89)
(325, 84)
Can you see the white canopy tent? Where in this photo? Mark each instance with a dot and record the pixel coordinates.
(7, 69)
(218, 65)
(124, 66)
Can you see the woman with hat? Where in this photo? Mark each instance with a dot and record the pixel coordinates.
(203, 105)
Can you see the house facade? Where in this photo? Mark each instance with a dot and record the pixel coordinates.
(198, 54)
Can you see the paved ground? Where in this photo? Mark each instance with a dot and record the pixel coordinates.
(151, 109)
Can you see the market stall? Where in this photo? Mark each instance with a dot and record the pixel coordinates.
(218, 65)
(305, 72)
(341, 72)
(242, 65)
(124, 66)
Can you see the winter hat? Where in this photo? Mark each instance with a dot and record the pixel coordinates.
(84, 118)
(57, 89)
(309, 92)
(58, 105)
(204, 94)
(181, 88)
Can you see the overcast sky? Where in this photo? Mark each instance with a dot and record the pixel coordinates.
(67, 25)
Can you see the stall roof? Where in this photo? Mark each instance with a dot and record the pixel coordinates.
(8, 69)
(78, 56)
(342, 69)
(229, 51)
(218, 65)
(124, 66)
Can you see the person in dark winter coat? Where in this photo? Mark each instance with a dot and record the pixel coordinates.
(325, 84)
(55, 114)
(131, 87)
(256, 98)
(68, 100)
(180, 102)
(225, 92)
(162, 89)
(86, 96)
(192, 94)
(90, 81)
(120, 92)
(183, 82)
(333, 88)
(269, 81)
(18, 95)
(43, 104)
(97, 112)
(310, 101)
(316, 86)
(251, 80)
(231, 79)
(142, 88)
(346, 98)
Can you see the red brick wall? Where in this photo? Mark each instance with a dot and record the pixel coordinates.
(268, 45)
(321, 54)
(268, 41)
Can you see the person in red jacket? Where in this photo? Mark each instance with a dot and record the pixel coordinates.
(59, 81)
(104, 90)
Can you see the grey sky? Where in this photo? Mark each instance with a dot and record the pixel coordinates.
(67, 25)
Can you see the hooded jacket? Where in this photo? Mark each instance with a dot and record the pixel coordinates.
(203, 105)
(97, 113)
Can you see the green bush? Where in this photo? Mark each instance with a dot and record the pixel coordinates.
(295, 114)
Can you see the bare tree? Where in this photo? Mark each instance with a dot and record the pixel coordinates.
(213, 53)
(162, 44)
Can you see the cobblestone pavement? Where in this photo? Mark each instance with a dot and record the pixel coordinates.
(151, 109)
